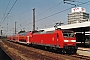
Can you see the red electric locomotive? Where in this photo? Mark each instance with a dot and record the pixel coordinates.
(63, 39)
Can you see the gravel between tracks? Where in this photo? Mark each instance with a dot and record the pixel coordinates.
(21, 52)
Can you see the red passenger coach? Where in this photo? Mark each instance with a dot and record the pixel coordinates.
(22, 37)
(62, 39)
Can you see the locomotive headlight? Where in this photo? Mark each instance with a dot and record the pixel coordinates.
(73, 40)
(69, 40)
(65, 40)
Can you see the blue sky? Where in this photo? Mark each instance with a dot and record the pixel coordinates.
(22, 13)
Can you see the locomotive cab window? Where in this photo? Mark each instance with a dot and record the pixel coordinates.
(68, 34)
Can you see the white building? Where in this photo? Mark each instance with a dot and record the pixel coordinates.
(78, 15)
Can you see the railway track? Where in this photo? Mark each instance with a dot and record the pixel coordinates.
(29, 53)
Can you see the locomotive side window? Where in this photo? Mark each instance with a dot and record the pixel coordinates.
(68, 34)
(50, 32)
(40, 32)
(23, 34)
(43, 32)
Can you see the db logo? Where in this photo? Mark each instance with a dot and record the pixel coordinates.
(75, 9)
(78, 9)
(83, 9)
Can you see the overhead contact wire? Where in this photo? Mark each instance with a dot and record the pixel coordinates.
(9, 12)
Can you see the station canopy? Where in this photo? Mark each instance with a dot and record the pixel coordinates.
(77, 27)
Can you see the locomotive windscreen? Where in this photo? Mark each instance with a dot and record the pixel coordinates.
(68, 34)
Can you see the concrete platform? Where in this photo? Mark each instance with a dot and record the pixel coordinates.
(83, 51)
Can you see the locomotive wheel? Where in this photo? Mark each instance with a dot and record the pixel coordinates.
(59, 50)
(64, 51)
(68, 51)
(45, 47)
(28, 44)
(75, 51)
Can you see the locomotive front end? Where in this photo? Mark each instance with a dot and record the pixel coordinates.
(69, 42)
